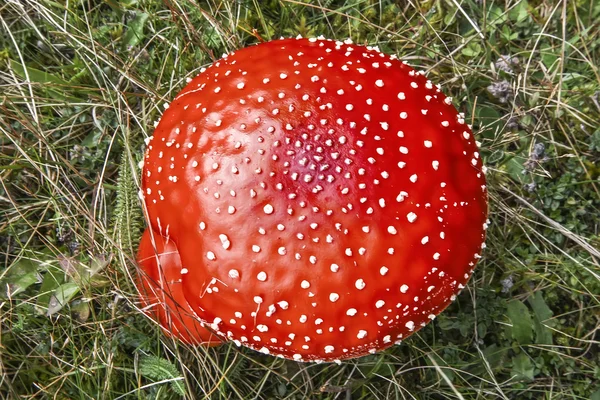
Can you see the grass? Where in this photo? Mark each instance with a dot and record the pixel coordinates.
(81, 83)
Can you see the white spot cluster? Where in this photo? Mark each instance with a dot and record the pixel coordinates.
(310, 203)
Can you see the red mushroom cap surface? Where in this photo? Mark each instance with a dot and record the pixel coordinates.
(327, 199)
(161, 292)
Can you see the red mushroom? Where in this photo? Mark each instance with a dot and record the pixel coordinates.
(161, 293)
(326, 199)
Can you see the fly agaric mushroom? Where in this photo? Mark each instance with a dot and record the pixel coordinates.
(326, 199)
(161, 293)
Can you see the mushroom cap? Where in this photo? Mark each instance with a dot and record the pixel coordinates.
(327, 199)
(159, 285)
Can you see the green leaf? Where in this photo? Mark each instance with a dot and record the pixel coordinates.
(120, 6)
(20, 283)
(35, 75)
(595, 141)
(92, 139)
(514, 167)
(519, 13)
(53, 277)
(48, 82)
(473, 49)
(522, 325)
(135, 30)
(77, 272)
(62, 295)
(489, 121)
(549, 58)
(522, 367)
(494, 355)
(496, 15)
(281, 389)
(84, 275)
(22, 274)
(541, 313)
(98, 263)
(381, 368)
(159, 369)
